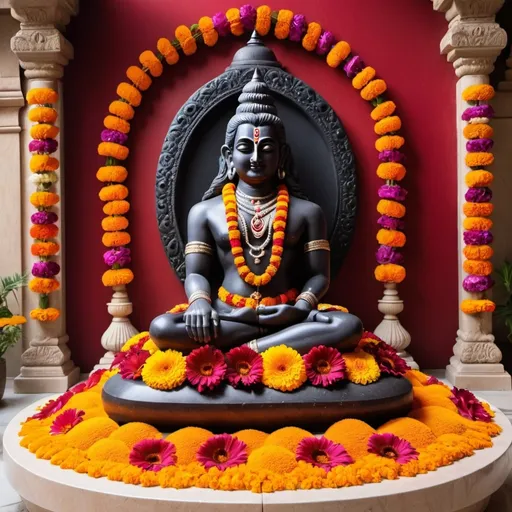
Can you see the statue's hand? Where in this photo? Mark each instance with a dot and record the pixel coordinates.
(242, 315)
(201, 320)
(283, 314)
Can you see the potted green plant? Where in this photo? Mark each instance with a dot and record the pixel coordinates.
(10, 324)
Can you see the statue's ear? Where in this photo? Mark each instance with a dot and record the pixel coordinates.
(226, 154)
(284, 157)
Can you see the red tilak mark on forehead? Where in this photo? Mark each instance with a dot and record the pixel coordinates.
(256, 135)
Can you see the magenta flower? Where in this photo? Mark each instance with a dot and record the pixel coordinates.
(114, 136)
(478, 111)
(392, 447)
(469, 406)
(205, 368)
(391, 223)
(324, 366)
(479, 145)
(394, 192)
(244, 366)
(93, 379)
(478, 195)
(131, 366)
(43, 146)
(120, 256)
(221, 24)
(386, 254)
(325, 43)
(44, 218)
(433, 380)
(475, 284)
(64, 422)
(322, 453)
(298, 28)
(222, 452)
(391, 155)
(248, 16)
(153, 454)
(354, 66)
(389, 361)
(52, 406)
(474, 237)
(45, 269)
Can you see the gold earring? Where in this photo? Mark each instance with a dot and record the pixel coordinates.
(231, 172)
(281, 174)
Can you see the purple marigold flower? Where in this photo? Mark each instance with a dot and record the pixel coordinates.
(395, 192)
(45, 269)
(391, 155)
(478, 195)
(44, 218)
(354, 66)
(473, 237)
(391, 223)
(248, 16)
(325, 43)
(114, 136)
(478, 111)
(477, 283)
(43, 146)
(221, 24)
(120, 256)
(297, 28)
(387, 254)
(479, 145)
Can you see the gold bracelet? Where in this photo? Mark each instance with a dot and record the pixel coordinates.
(253, 345)
(309, 297)
(198, 247)
(317, 245)
(199, 295)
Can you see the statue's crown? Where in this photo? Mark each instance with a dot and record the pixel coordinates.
(256, 97)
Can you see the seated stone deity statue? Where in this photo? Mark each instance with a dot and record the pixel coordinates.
(271, 243)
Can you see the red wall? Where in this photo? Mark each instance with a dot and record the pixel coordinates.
(400, 39)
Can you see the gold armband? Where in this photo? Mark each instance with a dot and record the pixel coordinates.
(309, 297)
(317, 245)
(198, 247)
(199, 295)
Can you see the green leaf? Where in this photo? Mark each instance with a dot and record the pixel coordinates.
(5, 313)
(10, 283)
(9, 336)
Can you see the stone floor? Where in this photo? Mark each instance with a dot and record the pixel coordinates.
(11, 404)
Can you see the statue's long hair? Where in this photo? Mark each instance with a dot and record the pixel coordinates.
(256, 108)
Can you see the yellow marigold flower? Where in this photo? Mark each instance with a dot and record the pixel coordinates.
(235, 23)
(391, 171)
(186, 39)
(373, 89)
(284, 20)
(112, 174)
(389, 142)
(42, 115)
(164, 370)
(477, 267)
(150, 61)
(150, 346)
(388, 125)
(478, 131)
(109, 450)
(116, 223)
(390, 273)
(131, 433)
(121, 109)
(85, 434)
(338, 54)
(479, 92)
(391, 208)
(479, 178)
(43, 163)
(361, 367)
(391, 237)
(252, 438)
(111, 149)
(116, 123)
(418, 434)
(353, 435)
(283, 368)
(43, 285)
(472, 307)
(477, 209)
(117, 277)
(312, 36)
(44, 131)
(478, 223)
(287, 437)
(13, 320)
(139, 78)
(207, 28)
(113, 193)
(116, 239)
(134, 340)
(272, 458)
(478, 252)
(382, 110)
(166, 48)
(363, 77)
(41, 96)
(45, 315)
(129, 93)
(44, 199)
(116, 207)
(263, 20)
(187, 441)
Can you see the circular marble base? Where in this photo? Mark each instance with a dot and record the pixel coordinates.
(225, 407)
(462, 487)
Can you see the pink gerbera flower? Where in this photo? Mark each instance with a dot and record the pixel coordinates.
(244, 366)
(433, 380)
(153, 454)
(131, 367)
(93, 379)
(469, 406)
(64, 422)
(222, 451)
(389, 361)
(324, 366)
(392, 447)
(323, 453)
(205, 368)
(52, 406)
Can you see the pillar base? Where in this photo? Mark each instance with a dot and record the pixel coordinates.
(43, 379)
(409, 360)
(105, 362)
(478, 377)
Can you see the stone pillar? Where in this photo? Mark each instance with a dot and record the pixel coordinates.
(43, 52)
(472, 43)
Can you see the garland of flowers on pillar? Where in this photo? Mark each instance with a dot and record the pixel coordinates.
(478, 207)
(44, 229)
(285, 25)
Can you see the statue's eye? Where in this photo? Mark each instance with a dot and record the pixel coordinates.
(268, 148)
(243, 147)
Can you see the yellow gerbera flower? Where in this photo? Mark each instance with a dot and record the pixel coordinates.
(164, 370)
(361, 367)
(134, 340)
(283, 368)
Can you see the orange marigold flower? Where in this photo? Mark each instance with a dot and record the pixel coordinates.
(166, 48)
(109, 450)
(440, 420)
(287, 437)
(353, 435)
(235, 23)
(312, 36)
(284, 20)
(363, 77)
(43, 163)
(389, 142)
(113, 150)
(113, 193)
(187, 441)
(44, 231)
(478, 252)
(391, 171)
(13, 320)
(477, 223)
(117, 277)
(44, 249)
(207, 29)
(387, 125)
(430, 396)
(150, 61)
(391, 237)
(479, 92)
(121, 109)
(116, 208)
(383, 110)
(129, 93)
(43, 285)
(43, 131)
(390, 273)
(116, 239)
(477, 209)
(472, 307)
(139, 78)
(42, 115)
(116, 223)
(272, 458)
(41, 96)
(116, 123)
(186, 40)
(45, 314)
(252, 438)
(112, 174)
(391, 208)
(373, 89)
(338, 54)
(478, 131)
(44, 199)
(263, 20)
(479, 159)
(477, 267)
(88, 432)
(131, 433)
(479, 178)
(418, 434)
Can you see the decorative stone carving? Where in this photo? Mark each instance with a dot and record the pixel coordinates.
(477, 352)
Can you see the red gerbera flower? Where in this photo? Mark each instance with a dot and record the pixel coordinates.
(433, 380)
(392, 447)
(153, 454)
(131, 367)
(222, 451)
(205, 367)
(324, 366)
(389, 361)
(469, 406)
(52, 406)
(244, 365)
(93, 379)
(323, 453)
(64, 422)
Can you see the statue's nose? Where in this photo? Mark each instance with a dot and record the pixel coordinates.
(255, 155)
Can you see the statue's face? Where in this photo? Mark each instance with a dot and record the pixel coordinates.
(256, 153)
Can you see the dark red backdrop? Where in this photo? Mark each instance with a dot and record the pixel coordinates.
(400, 39)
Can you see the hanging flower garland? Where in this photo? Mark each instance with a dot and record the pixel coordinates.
(44, 229)
(478, 206)
(285, 25)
